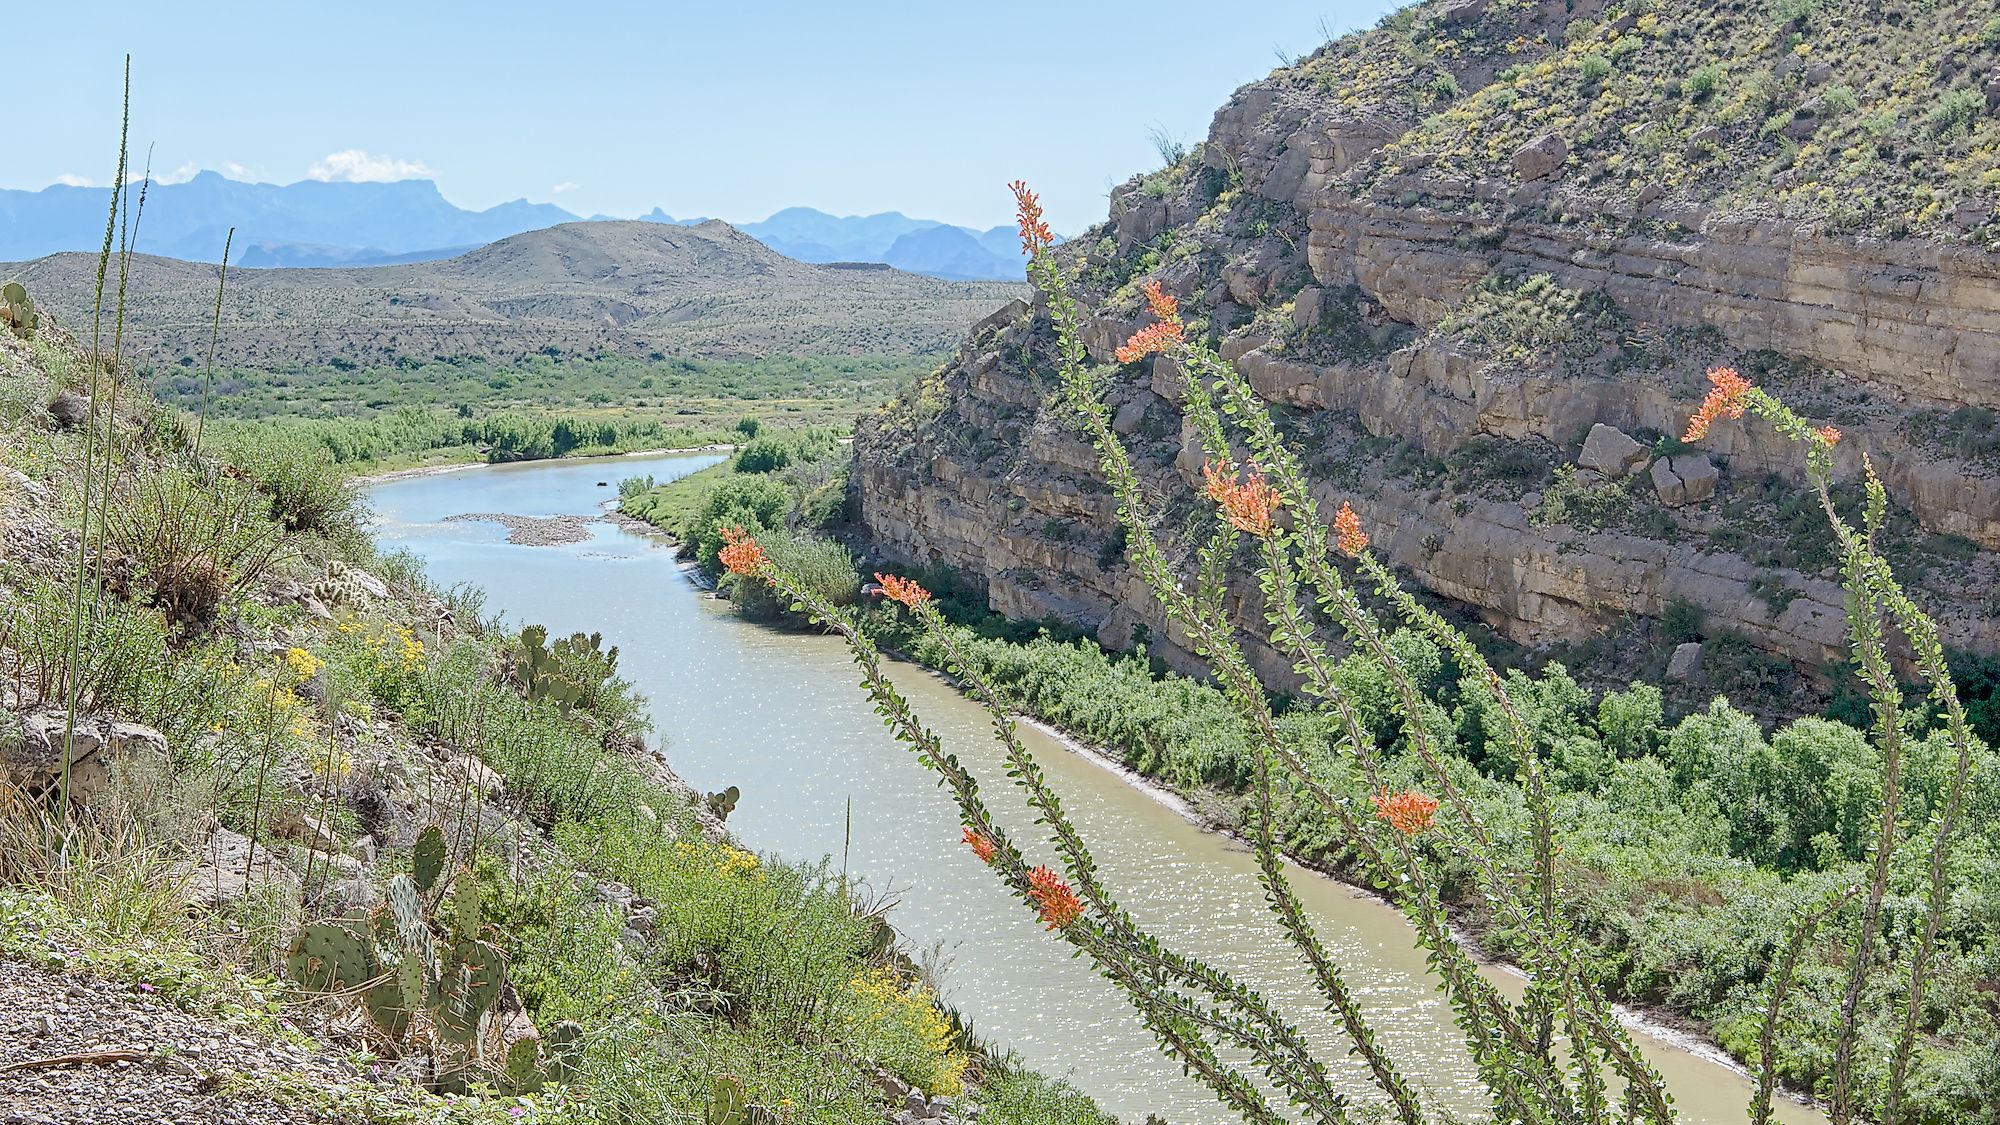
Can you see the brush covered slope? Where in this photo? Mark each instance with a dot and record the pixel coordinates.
(1480, 256)
(630, 289)
(286, 834)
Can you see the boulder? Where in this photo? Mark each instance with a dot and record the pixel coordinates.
(1462, 12)
(372, 586)
(31, 751)
(1541, 156)
(1648, 192)
(1700, 141)
(1127, 420)
(1688, 478)
(1308, 307)
(1685, 663)
(1609, 451)
(225, 870)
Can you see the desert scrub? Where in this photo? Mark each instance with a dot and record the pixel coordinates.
(1528, 320)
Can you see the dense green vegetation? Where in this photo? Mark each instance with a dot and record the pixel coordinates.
(694, 392)
(410, 435)
(787, 489)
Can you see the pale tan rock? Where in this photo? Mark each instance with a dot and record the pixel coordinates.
(1608, 450)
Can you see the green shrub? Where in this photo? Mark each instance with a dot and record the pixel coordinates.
(306, 492)
(1956, 113)
(1596, 68)
(826, 567)
(1703, 81)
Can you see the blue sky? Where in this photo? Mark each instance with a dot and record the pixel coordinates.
(724, 109)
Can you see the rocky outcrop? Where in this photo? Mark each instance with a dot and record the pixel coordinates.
(1443, 333)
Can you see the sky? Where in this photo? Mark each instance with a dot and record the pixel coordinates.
(726, 110)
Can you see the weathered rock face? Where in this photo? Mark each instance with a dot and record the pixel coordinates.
(1441, 341)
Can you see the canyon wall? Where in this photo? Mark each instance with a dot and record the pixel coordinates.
(1466, 312)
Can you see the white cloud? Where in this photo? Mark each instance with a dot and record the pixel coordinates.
(358, 166)
(566, 185)
(71, 179)
(180, 175)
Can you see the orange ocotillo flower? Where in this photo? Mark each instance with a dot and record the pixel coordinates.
(740, 554)
(902, 590)
(1247, 505)
(1724, 401)
(1035, 234)
(1828, 434)
(1052, 897)
(1159, 336)
(1408, 812)
(1347, 532)
(981, 845)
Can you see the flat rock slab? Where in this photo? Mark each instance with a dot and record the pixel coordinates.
(136, 1059)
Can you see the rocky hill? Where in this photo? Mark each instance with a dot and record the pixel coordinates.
(1479, 258)
(624, 288)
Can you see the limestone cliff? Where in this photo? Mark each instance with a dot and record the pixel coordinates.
(1475, 252)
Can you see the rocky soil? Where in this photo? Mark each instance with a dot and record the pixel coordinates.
(1490, 360)
(77, 1050)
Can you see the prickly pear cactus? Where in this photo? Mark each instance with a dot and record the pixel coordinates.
(427, 858)
(563, 1047)
(415, 966)
(19, 311)
(724, 803)
(729, 1104)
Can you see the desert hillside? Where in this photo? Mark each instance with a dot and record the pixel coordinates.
(607, 288)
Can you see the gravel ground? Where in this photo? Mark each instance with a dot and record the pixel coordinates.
(178, 1069)
(534, 531)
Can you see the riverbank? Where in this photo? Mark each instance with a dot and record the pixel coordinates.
(370, 480)
(1218, 810)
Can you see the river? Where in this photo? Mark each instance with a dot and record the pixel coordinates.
(781, 716)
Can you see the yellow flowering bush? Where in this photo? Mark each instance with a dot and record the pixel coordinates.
(904, 1031)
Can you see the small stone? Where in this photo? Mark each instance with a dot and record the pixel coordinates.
(1685, 663)
(1129, 416)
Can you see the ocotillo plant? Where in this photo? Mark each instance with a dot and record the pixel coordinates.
(1557, 1056)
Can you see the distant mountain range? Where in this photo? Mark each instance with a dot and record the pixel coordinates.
(637, 289)
(314, 223)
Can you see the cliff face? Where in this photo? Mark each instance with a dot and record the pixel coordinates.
(1472, 255)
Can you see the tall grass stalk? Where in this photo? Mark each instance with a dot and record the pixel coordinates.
(214, 333)
(95, 367)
